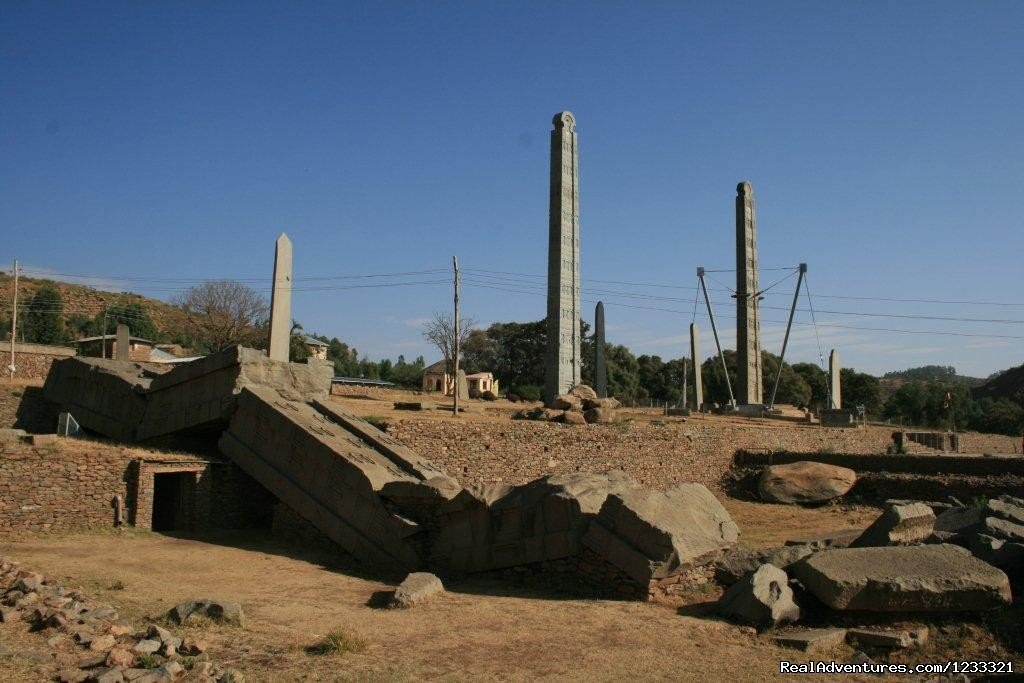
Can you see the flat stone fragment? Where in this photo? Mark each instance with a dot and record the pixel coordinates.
(805, 482)
(903, 578)
(832, 539)
(417, 588)
(893, 640)
(898, 525)
(1000, 528)
(1006, 510)
(813, 640)
(762, 598)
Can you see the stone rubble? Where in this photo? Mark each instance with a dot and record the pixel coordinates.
(762, 598)
(114, 650)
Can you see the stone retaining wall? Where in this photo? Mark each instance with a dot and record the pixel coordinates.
(33, 361)
(657, 456)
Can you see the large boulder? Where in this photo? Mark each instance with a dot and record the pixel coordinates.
(899, 525)
(566, 402)
(650, 535)
(583, 392)
(805, 482)
(609, 403)
(903, 579)
(762, 598)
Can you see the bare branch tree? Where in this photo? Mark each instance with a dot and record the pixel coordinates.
(221, 313)
(441, 333)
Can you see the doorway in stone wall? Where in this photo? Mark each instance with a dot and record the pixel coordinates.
(172, 500)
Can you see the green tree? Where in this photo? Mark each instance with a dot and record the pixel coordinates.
(816, 380)
(44, 316)
(133, 314)
(860, 389)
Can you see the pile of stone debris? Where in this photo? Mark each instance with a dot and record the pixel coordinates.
(579, 406)
(908, 560)
(112, 649)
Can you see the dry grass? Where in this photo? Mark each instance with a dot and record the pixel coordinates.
(479, 630)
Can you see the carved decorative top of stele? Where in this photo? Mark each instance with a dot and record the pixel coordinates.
(565, 120)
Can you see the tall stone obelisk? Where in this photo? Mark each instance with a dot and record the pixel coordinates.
(835, 391)
(698, 382)
(749, 390)
(600, 365)
(281, 300)
(562, 358)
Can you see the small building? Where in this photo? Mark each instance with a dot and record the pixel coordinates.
(317, 349)
(437, 378)
(479, 382)
(139, 349)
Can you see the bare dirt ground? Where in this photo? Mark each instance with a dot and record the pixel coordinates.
(479, 630)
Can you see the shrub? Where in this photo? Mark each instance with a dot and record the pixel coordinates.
(528, 392)
(338, 642)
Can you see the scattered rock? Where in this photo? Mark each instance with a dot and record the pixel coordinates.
(583, 392)
(231, 676)
(566, 402)
(73, 676)
(813, 640)
(221, 611)
(892, 640)
(600, 415)
(102, 643)
(417, 588)
(1000, 528)
(609, 403)
(898, 525)
(903, 578)
(147, 646)
(805, 482)
(122, 657)
(762, 598)
(573, 418)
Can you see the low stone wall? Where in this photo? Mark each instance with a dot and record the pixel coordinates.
(33, 361)
(65, 484)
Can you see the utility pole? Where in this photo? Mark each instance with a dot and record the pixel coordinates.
(458, 332)
(14, 320)
(714, 330)
(103, 343)
(785, 339)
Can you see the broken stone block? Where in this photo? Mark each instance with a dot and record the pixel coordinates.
(325, 473)
(805, 482)
(960, 521)
(892, 640)
(147, 646)
(417, 588)
(1006, 555)
(898, 525)
(738, 562)
(1006, 510)
(762, 598)
(903, 578)
(1008, 531)
(651, 534)
(607, 403)
(812, 640)
(499, 526)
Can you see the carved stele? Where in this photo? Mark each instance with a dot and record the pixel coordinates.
(562, 357)
(749, 390)
(281, 300)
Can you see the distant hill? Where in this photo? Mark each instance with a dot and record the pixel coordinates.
(934, 373)
(1007, 384)
(87, 301)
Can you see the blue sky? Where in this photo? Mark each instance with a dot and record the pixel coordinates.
(157, 144)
